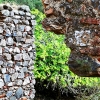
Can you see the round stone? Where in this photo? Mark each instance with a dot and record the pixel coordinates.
(12, 98)
(1, 83)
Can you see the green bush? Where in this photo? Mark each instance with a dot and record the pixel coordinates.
(51, 55)
(50, 65)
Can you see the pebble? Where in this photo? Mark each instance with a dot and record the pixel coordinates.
(1, 83)
(19, 93)
(9, 94)
(5, 12)
(26, 81)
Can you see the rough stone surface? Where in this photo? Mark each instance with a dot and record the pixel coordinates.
(15, 56)
(79, 20)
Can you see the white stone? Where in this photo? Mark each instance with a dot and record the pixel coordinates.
(3, 42)
(10, 84)
(29, 41)
(18, 57)
(11, 70)
(1, 83)
(1, 29)
(17, 68)
(16, 50)
(9, 41)
(21, 75)
(26, 56)
(19, 33)
(29, 49)
(15, 11)
(28, 28)
(33, 22)
(19, 82)
(3, 70)
(26, 81)
(0, 50)
(14, 76)
(24, 69)
(33, 81)
(27, 92)
(5, 12)
(8, 56)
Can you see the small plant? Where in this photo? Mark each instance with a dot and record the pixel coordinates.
(51, 58)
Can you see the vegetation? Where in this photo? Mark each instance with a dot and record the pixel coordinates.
(50, 66)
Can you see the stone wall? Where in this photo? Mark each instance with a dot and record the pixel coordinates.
(17, 52)
(79, 20)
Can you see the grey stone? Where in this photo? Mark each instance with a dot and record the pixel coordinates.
(7, 78)
(10, 63)
(18, 39)
(21, 75)
(11, 13)
(25, 8)
(33, 81)
(18, 57)
(30, 49)
(1, 83)
(5, 12)
(8, 19)
(31, 62)
(33, 22)
(8, 56)
(0, 50)
(24, 69)
(26, 56)
(21, 27)
(17, 68)
(15, 11)
(15, 21)
(26, 81)
(8, 33)
(19, 82)
(19, 63)
(19, 33)
(12, 98)
(16, 50)
(1, 63)
(10, 84)
(1, 37)
(19, 93)
(28, 14)
(25, 63)
(14, 76)
(27, 92)
(21, 13)
(29, 41)
(3, 70)
(11, 70)
(32, 17)
(9, 41)
(28, 28)
(32, 96)
(9, 94)
(1, 29)
(17, 17)
(3, 42)
(25, 22)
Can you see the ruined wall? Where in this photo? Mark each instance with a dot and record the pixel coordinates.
(79, 20)
(17, 52)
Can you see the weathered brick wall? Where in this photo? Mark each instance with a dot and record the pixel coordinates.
(17, 52)
(79, 20)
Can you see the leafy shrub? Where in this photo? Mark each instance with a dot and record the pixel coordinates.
(50, 65)
(51, 55)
